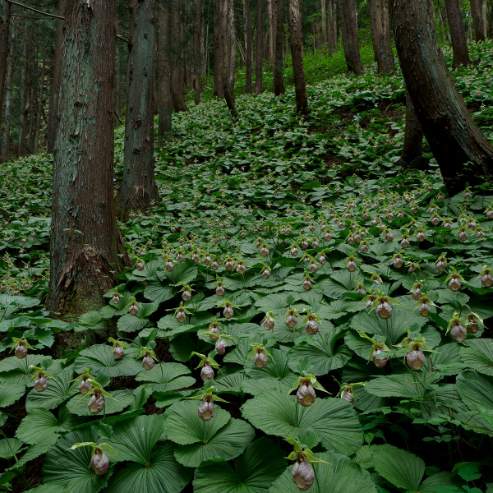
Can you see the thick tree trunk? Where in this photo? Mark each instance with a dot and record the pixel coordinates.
(279, 48)
(178, 67)
(296, 42)
(479, 19)
(5, 67)
(381, 35)
(55, 79)
(84, 236)
(138, 186)
(247, 13)
(349, 19)
(332, 26)
(457, 32)
(412, 153)
(164, 97)
(465, 157)
(259, 47)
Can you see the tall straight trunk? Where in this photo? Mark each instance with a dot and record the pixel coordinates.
(198, 49)
(323, 22)
(164, 97)
(227, 52)
(29, 108)
(349, 19)
(178, 67)
(138, 186)
(271, 11)
(332, 25)
(84, 235)
(55, 79)
(462, 152)
(247, 14)
(296, 42)
(279, 59)
(457, 32)
(381, 35)
(412, 153)
(5, 67)
(479, 19)
(259, 47)
(219, 48)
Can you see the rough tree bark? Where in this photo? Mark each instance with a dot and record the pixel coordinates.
(198, 49)
(164, 96)
(479, 19)
(278, 5)
(332, 26)
(464, 155)
(138, 188)
(219, 49)
(381, 35)
(5, 22)
(296, 42)
(457, 32)
(247, 15)
(349, 19)
(84, 235)
(259, 47)
(412, 152)
(178, 64)
(55, 79)
(323, 22)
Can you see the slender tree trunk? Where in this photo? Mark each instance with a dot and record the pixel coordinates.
(463, 154)
(271, 11)
(479, 19)
(457, 32)
(5, 67)
(381, 35)
(323, 22)
(296, 42)
(225, 37)
(164, 96)
(178, 67)
(219, 48)
(412, 153)
(259, 47)
(55, 79)
(349, 19)
(247, 13)
(138, 186)
(279, 58)
(332, 26)
(198, 49)
(84, 235)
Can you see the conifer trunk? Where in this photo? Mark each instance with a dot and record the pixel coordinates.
(457, 32)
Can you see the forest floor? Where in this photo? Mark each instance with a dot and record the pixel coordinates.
(289, 205)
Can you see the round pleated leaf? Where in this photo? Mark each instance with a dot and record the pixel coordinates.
(114, 403)
(332, 422)
(478, 355)
(40, 425)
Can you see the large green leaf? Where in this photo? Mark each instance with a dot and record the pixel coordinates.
(226, 444)
(336, 474)
(100, 359)
(253, 472)
(40, 425)
(10, 393)
(60, 388)
(117, 401)
(332, 422)
(478, 355)
(409, 385)
(70, 468)
(319, 355)
(167, 377)
(9, 447)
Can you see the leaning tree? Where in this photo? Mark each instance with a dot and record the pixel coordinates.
(84, 236)
(464, 155)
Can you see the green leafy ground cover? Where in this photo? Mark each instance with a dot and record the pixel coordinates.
(280, 251)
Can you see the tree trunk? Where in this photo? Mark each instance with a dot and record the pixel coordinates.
(164, 96)
(259, 48)
(279, 51)
(465, 157)
(247, 14)
(332, 26)
(178, 67)
(323, 22)
(84, 235)
(412, 153)
(198, 49)
(296, 42)
(55, 79)
(138, 186)
(226, 54)
(479, 19)
(381, 35)
(5, 67)
(457, 32)
(271, 10)
(349, 18)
